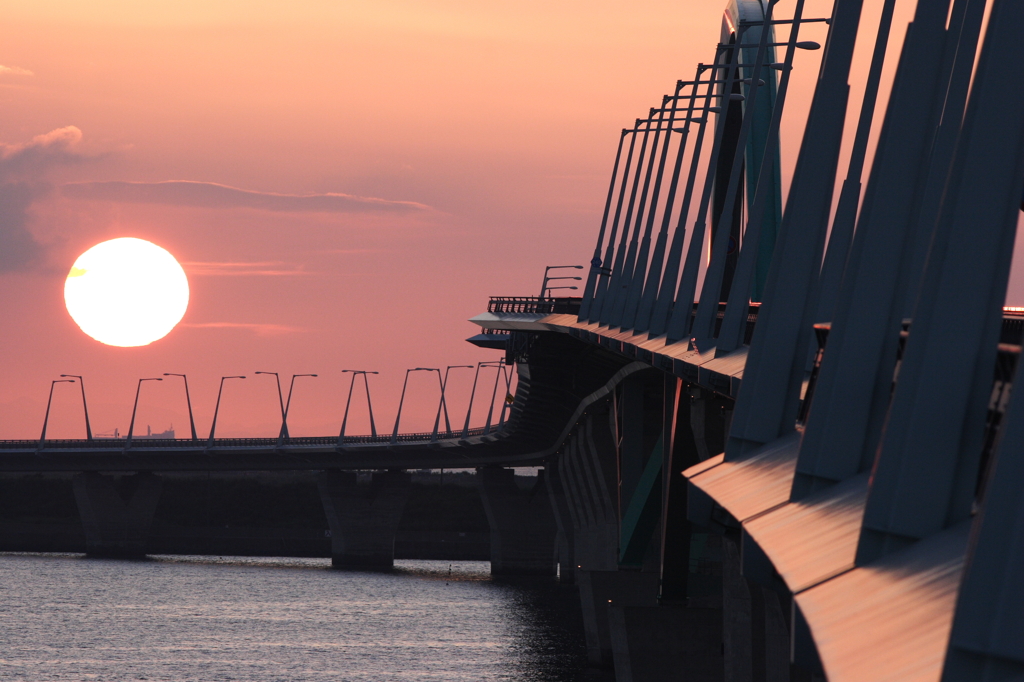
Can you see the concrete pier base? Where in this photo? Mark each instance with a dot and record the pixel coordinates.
(600, 590)
(363, 518)
(116, 515)
(523, 529)
(663, 643)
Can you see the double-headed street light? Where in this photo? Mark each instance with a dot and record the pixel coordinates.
(472, 393)
(284, 417)
(188, 399)
(216, 409)
(280, 396)
(544, 285)
(42, 438)
(398, 417)
(348, 403)
(443, 405)
(81, 383)
(131, 426)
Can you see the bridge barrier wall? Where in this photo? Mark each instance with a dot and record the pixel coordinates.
(363, 518)
(116, 514)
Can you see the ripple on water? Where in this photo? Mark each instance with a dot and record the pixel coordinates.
(179, 618)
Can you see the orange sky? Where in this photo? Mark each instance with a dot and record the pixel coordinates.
(471, 144)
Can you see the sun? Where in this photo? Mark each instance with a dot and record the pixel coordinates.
(126, 292)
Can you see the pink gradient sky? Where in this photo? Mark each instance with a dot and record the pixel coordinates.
(469, 145)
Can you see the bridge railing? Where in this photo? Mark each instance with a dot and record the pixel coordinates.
(308, 441)
(534, 304)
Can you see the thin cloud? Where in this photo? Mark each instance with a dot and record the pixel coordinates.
(258, 329)
(14, 71)
(265, 268)
(215, 195)
(21, 171)
(57, 147)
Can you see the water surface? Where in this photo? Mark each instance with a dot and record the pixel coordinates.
(65, 617)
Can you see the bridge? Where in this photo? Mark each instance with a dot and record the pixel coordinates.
(778, 438)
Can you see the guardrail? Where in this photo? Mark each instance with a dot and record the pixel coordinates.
(534, 304)
(168, 443)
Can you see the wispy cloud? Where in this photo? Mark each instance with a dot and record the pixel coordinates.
(214, 195)
(14, 71)
(56, 147)
(264, 268)
(256, 328)
(21, 170)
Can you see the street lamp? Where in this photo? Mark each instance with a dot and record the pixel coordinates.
(504, 402)
(284, 420)
(280, 398)
(550, 289)
(344, 421)
(443, 406)
(472, 393)
(509, 399)
(398, 417)
(81, 382)
(131, 426)
(191, 421)
(544, 286)
(216, 408)
(42, 437)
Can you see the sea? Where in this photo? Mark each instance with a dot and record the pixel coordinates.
(189, 618)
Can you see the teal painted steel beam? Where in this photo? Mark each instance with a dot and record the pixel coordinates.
(641, 517)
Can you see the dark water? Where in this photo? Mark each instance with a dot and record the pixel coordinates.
(204, 619)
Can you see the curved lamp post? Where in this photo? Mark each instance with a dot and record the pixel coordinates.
(472, 394)
(188, 399)
(284, 417)
(216, 409)
(344, 421)
(81, 383)
(550, 289)
(443, 406)
(280, 397)
(544, 286)
(398, 417)
(42, 437)
(131, 426)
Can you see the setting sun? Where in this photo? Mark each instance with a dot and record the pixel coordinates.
(126, 292)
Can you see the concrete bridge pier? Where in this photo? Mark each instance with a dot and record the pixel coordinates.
(116, 514)
(363, 518)
(523, 529)
(565, 540)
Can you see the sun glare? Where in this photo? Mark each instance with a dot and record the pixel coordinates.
(126, 292)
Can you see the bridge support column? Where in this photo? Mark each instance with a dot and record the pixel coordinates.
(662, 643)
(600, 590)
(523, 527)
(116, 515)
(363, 518)
(565, 540)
